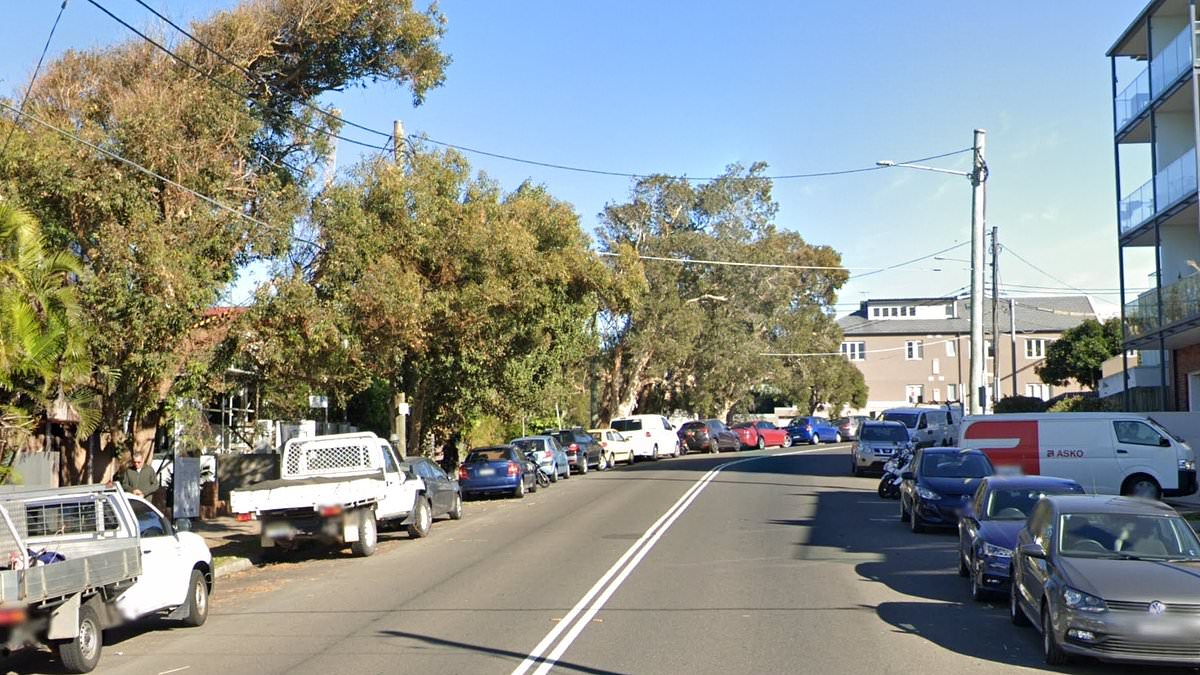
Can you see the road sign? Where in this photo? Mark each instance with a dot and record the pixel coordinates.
(402, 409)
(318, 402)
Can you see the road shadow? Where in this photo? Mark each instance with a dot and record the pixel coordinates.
(517, 657)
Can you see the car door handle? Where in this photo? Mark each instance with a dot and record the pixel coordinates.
(146, 551)
(1122, 452)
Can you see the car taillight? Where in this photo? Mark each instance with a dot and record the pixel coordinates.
(574, 447)
(12, 617)
(243, 517)
(462, 473)
(647, 434)
(330, 511)
(513, 469)
(604, 444)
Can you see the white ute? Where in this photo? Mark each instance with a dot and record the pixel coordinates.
(78, 560)
(334, 489)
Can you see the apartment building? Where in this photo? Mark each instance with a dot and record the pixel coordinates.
(917, 350)
(1155, 128)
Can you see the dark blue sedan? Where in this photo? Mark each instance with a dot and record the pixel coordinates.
(939, 485)
(813, 430)
(497, 469)
(988, 529)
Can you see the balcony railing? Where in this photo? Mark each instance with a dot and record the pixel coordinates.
(1134, 99)
(1171, 62)
(1174, 182)
(1180, 300)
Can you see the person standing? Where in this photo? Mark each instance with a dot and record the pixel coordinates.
(139, 478)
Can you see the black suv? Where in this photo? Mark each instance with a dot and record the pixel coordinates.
(582, 450)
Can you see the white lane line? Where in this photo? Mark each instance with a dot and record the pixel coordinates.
(621, 570)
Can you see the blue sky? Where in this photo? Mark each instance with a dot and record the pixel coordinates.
(687, 88)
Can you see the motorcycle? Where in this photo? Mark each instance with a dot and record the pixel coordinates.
(889, 484)
(543, 478)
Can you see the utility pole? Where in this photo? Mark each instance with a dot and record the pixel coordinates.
(1012, 335)
(995, 315)
(978, 178)
(397, 141)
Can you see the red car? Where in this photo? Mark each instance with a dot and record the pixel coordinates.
(761, 433)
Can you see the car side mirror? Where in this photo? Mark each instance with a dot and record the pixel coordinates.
(907, 475)
(1164, 442)
(1033, 551)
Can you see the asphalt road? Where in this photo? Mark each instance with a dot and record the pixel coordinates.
(778, 563)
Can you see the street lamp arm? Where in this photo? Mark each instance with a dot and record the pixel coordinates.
(922, 167)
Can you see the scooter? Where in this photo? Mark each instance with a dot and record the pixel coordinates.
(543, 478)
(889, 484)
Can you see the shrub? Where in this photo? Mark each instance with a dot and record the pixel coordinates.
(1020, 404)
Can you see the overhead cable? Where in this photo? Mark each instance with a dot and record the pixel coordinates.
(36, 70)
(734, 263)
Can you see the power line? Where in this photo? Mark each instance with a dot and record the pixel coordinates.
(867, 351)
(1018, 256)
(909, 262)
(733, 263)
(224, 207)
(36, 69)
(200, 71)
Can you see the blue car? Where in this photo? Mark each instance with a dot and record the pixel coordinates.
(987, 531)
(497, 469)
(813, 430)
(939, 485)
(548, 453)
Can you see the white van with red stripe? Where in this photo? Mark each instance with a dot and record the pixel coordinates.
(1106, 453)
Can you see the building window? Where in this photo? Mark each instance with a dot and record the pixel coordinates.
(914, 393)
(950, 311)
(895, 311)
(987, 348)
(937, 370)
(914, 350)
(951, 348)
(876, 312)
(1035, 348)
(937, 395)
(854, 351)
(1037, 391)
(952, 392)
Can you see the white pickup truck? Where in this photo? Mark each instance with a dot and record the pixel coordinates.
(336, 490)
(77, 560)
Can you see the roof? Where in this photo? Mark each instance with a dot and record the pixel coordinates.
(943, 450)
(1034, 315)
(1109, 504)
(1030, 481)
(884, 423)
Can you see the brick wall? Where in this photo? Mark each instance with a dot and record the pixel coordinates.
(1186, 360)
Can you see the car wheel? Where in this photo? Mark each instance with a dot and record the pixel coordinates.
(519, 492)
(854, 470)
(602, 463)
(368, 533)
(713, 448)
(914, 521)
(554, 475)
(654, 454)
(533, 484)
(197, 601)
(82, 654)
(422, 519)
(903, 511)
(582, 465)
(837, 437)
(456, 511)
(815, 440)
(762, 443)
(787, 441)
(1015, 613)
(632, 458)
(1053, 653)
(978, 592)
(963, 569)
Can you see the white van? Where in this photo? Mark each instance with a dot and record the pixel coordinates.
(1106, 453)
(926, 426)
(652, 435)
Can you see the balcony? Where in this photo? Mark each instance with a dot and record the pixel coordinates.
(1134, 99)
(1173, 183)
(1170, 63)
(1181, 301)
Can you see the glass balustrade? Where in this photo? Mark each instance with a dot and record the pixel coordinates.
(1180, 301)
(1173, 183)
(1170, 63)
(1134, 99)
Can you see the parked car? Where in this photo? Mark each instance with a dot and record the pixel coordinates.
(813, 430)
(618, 447)
(582, 450)
(926, 426)
(761, 433)
(440, 497)
(877, 443)
(497, 469)
(1108, 453)
(989, 524)
(652, 435)
(551, 458)
(848, 426)
(708, 436)
(1108, 577)
(940, 483)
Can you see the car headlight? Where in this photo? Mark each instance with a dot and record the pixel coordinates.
(926, 493)
(1083, 602)
(1187, 465)
(993, 551)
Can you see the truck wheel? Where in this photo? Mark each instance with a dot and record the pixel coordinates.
(197, 601)
(422, 519)
(82, 654)
(456, 511)
(368, 534)
(1141, 485)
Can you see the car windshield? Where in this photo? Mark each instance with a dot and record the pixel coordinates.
(884, 432)
(907, 419)
(1127, 536)
(530, 444)
(742, 425)
(488, 455)
(627, 425)
(945, 465)
(1018, 503)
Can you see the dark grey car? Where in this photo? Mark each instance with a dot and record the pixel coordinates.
(1114, 578)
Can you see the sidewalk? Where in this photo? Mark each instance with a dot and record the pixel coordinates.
(234, 545)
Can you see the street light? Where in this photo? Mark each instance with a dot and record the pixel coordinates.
(978, 177)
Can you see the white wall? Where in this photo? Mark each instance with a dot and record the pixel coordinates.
(1180, 243)
(1175, 134)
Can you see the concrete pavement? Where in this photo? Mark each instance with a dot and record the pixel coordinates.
(780, 564)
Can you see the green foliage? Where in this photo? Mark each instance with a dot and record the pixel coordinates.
(692, 336)
(1084, 404)
(1080, 352)
(1020, 404)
